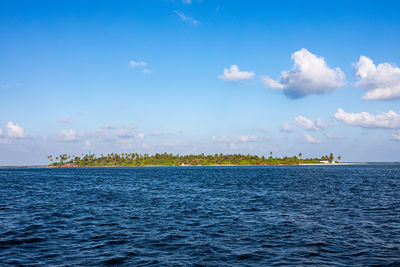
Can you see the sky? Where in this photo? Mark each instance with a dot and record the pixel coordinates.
(199, 76)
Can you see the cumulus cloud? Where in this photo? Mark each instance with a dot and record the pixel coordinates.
(137, 63)
(183, 17)
(309, 125)
(382, 82)
(310, 75)
(69, 135)
(234, 74)
(311, 139)
(384, 120)
(15, 131)
(286, 127)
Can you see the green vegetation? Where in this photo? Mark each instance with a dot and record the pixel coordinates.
(135, 159)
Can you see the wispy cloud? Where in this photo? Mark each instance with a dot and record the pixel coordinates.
(133, 63)
(396, 135)
(64, 120)
(311, 139)
(309, 125)
(330, 136)
(155, 133)
(7, 86)
(147, 71)
(286, 127)
(183, 17)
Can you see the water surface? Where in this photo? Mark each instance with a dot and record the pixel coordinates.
(219, 216)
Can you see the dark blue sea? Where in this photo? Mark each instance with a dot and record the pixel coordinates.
(205, 216)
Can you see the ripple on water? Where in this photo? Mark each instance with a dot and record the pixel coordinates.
(219, 216)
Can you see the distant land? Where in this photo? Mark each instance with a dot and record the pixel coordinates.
(164, 159)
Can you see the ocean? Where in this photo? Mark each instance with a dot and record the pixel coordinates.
(344, 215)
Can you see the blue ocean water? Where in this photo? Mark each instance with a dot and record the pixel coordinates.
(213, 216)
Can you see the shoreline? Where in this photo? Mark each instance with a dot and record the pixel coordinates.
(227, 165)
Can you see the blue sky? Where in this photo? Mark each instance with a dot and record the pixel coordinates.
(148, 76)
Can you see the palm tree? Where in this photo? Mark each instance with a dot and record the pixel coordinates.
(331, 157)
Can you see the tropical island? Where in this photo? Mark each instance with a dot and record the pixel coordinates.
(164, 159)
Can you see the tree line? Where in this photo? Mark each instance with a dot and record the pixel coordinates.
(165, 159)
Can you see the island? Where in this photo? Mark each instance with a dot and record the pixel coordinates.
(165, 159)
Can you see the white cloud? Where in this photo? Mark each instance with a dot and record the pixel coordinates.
(310, 75)
(226, 139)
(385, 120)
(107, 127)
(140, 136)
(330, 136)
(183, 17)
(147, 71)
(88, 145)
(137, 63)
(311, 139)
(124, 134)
(286, 127)
(175, 143)
(381, 82)
(234, 74)
(233, 146)
(4, 140)
(247, 138)
(308, 124)
(15, 131)
(155, 133)
(64, 120)
(396, 135)
(238, 139)
(69, 135)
